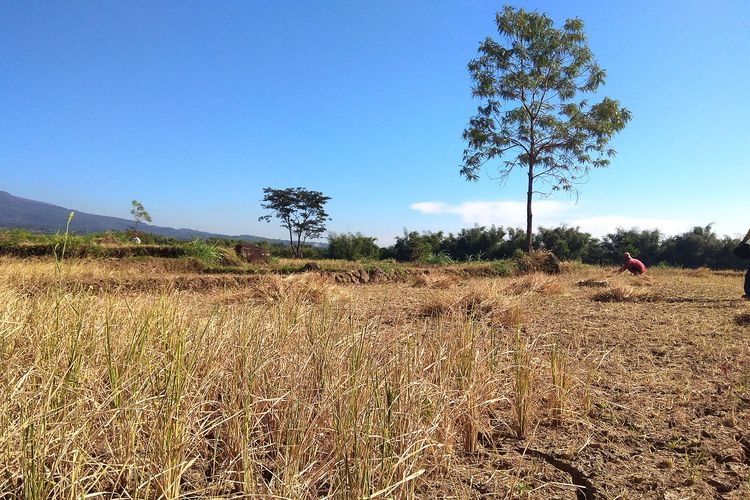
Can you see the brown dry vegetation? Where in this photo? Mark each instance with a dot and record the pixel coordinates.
(166, 383)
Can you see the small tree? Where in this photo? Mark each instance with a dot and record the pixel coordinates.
(531, 111)
(300, 211)
(139, 214)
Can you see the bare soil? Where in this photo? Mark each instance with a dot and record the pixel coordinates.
(668, 358)
(660, 404)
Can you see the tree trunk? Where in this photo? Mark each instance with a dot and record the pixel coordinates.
(529, 215)
(298, 251)
(291, 242)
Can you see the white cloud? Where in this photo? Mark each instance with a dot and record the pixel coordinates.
(548, 213)
(499, 213)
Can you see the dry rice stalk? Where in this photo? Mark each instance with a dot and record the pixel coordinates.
(620, 293)
(512, 316)
(436, 304)
(594, 283)
(532, 283)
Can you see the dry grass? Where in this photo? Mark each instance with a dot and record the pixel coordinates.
(436, 304)
(743, 319)
(294, 387)
(616, 294)
(594, 283)
(535, 283)
(512, 316)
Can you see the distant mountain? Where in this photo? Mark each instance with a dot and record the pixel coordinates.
(43, 217)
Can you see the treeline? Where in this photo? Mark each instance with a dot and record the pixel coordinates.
(699, 247)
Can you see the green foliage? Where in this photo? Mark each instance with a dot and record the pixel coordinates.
(662, 265)
(139, 214)
(475, 243)
(228, 257)
(532, 114)
(387, 265)
(352, 247)
(699, 247)
(643, 245)
(59, 248)
(438, 258)
(287, 252)
(504, 267)
(567, 243)
(12, 237)
(300, 211)
(204, 252)
(415, 247)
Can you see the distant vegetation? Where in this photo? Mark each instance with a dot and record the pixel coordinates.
(352, 247)
(118, 244)
(699, 247)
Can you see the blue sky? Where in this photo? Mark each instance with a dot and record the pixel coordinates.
(194, 107)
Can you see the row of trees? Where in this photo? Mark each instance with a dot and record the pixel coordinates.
(302, 212)
(699, 247)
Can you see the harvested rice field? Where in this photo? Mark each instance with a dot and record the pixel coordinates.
(143, 379)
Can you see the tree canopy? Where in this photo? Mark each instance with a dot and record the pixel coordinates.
(532, 115)
(699, 247)
(300, 211)
(139, 214)
(352, 246)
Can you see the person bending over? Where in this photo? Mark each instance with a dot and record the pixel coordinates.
(635, 266)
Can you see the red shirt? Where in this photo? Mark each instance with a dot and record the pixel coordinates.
(635, 266)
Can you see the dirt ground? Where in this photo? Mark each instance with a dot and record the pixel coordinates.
(660, 398)
(670, 392)
(664, 360)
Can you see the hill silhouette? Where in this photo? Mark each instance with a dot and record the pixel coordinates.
(38, 216)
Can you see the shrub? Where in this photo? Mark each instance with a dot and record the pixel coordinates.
(352, 247)
(503, 267)
(439, 258)
(228, 257)
(388, 266)
(199, 249)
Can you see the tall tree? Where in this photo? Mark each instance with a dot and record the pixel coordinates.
(139, 214)
(300, 211)
(531, 113)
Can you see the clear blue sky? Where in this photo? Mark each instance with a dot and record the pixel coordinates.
(194, 107)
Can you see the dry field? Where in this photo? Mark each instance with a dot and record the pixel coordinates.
(585, 385)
